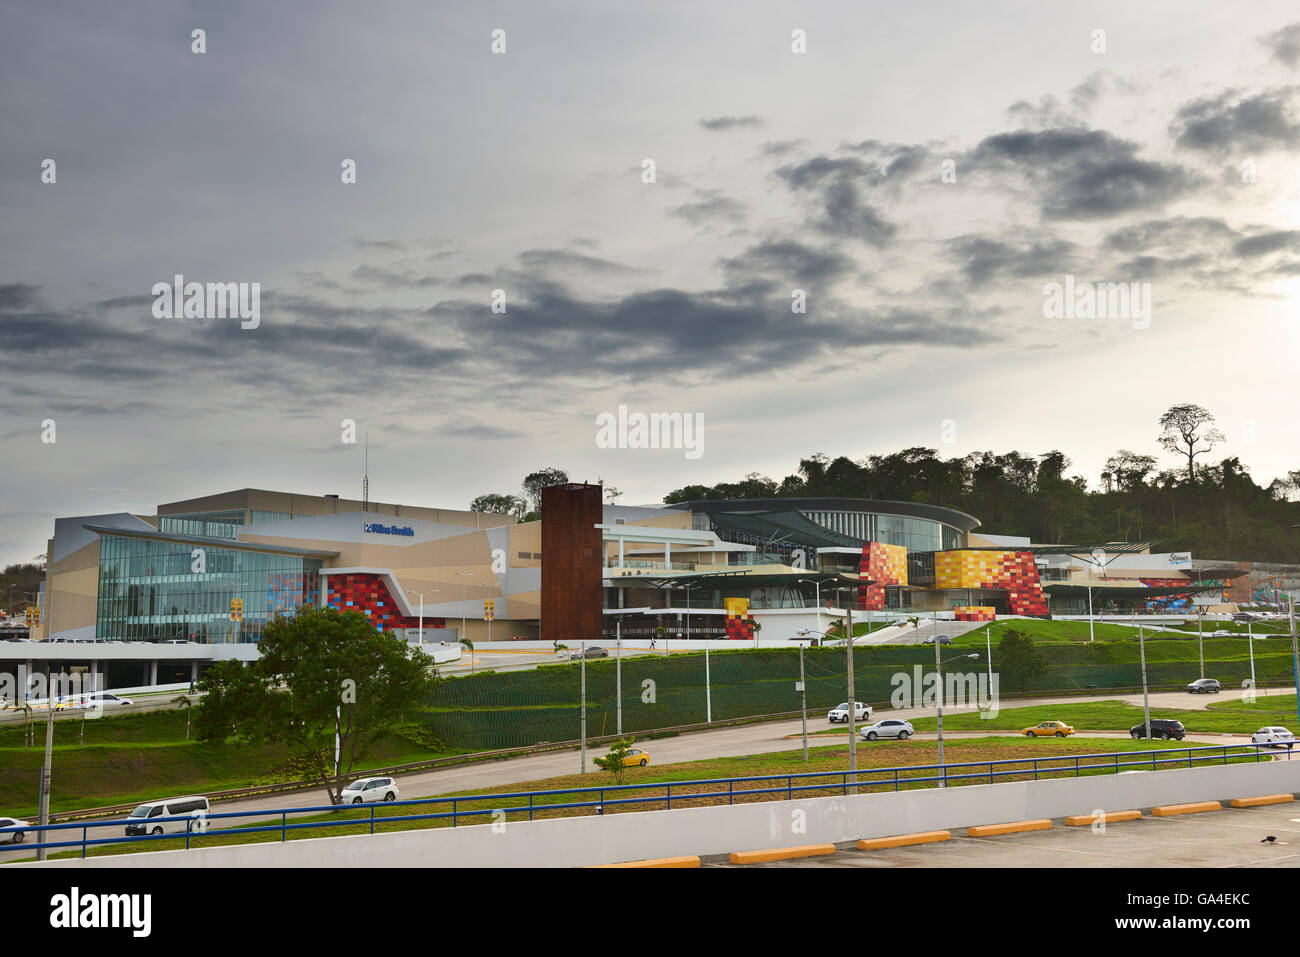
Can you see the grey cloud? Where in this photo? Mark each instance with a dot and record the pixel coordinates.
(543, 259)
(718, 123)
(837, 184)
(712, 205)
(1285, 44)
(1233, 121)
(984, 259)
(1266, 243)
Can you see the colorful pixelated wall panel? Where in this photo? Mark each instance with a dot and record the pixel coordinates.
(369, 595)
(1012, 572)
(738, 626)
(1179, 603)
(975, 613)
(884, 565)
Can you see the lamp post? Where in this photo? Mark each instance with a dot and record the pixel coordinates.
(463, 599)
(938, 669)
(411, 591)
(1200, 637)
(1091, 636)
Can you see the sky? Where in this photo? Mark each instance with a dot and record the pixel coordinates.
(919, 175)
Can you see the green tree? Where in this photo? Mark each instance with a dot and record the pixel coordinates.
(495, 504)
(321, 673)
(614, 762)
(1185, 431)
(1019, 661)
(534, 482)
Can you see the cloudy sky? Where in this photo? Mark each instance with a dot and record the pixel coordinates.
(1161, 150)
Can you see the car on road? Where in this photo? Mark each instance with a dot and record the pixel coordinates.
(1275, 735)
(943, 639)
(636, 757)
(888, 728)
(1048, 729)
(1165, 728)
(1222, 633)
(146, 819)
(369, 790)
(1243, 616)
(1204, 686)
(12, 837)
(589, 653)
(840, 713)
(92, 699)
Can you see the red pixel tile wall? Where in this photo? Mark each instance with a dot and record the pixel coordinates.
(368, 594)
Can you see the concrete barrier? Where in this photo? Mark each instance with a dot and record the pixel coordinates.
(1013, 827)
(1107, 817)
(601, 839)
(686, 860)
(1192, 807)
(904, 840)
(1262, 800)
(781, 854)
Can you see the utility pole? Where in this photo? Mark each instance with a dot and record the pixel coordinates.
(583, 667)
(1200, 637)
(803, 703)
(1295, 651)
(618, 674)
(1250, 641)
(938, 692)
(852, 716)
(47, 768)
(1146, 703)
(708, 690)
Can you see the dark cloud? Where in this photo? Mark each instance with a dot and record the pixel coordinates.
(1083, 173)
(1285, 44)
(719, 123)
(1265, 244)
(711, 206)
(1179, 232)
(837, 185)
(984, 259)
(400, 278)
(783, 262)
(545, 259)
(1235, 122)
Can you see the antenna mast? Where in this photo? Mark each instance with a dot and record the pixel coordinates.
(365, 479)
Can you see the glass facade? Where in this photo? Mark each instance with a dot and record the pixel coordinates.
(262, 515)
(914, 534)
(223, 524)
(148, 590)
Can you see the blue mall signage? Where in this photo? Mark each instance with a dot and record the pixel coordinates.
(379, 529)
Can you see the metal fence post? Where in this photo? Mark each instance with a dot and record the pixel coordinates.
(530, 805)
(731, 797)
(284, 827)
(372, 819)
(83, 842)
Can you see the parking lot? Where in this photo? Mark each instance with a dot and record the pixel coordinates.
(1228, 838)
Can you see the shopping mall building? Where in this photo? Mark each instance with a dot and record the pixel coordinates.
(588, 570)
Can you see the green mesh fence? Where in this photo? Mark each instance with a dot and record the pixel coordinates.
(497, 710)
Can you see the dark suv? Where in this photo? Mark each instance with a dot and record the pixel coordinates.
(1160, 728)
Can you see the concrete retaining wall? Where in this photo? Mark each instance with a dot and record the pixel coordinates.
(577, 842)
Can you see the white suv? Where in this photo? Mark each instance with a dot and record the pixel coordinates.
(861, 712)
(889, 728)
(368, 790)
(1276, 736)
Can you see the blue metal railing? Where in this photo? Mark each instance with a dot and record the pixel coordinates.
(602, 798)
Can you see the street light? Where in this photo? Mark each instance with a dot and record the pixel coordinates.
(852, 706)
(938, 667)
(411, 591)
(462, 599)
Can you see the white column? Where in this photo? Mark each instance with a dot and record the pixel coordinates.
(153, 672)
(668, 554)
(94, 676)
(620, 553)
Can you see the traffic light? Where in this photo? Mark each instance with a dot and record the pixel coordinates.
(489, 609)
(33, 616)
(236, 609)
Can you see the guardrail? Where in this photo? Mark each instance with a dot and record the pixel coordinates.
(616, 796)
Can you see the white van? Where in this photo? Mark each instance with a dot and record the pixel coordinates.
(146, 818)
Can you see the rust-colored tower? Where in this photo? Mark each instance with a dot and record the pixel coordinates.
(572, 563)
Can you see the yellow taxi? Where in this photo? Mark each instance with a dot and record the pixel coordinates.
(636, 758)
(1048, 729)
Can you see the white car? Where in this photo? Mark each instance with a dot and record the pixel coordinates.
(13, 837)
(1276, 736)
(93, 699)
(368, 790)
(1221, 633)
(840, 713)
(888, 728)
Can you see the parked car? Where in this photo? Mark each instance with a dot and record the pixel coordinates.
(592, 652)
(1204, 686)
(943, 639)
(1222, 633)
(1048, 729)
(13, 837)
(888, 728)
(369, 790)
(840, 713)
(1243, 616)
(145, 819)
(1165, 728)
(1276, 736)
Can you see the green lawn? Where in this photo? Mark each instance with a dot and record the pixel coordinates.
(1050, 632)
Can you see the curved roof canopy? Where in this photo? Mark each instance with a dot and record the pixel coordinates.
(880, 506)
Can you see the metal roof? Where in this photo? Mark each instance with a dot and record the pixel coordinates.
(1126, 591)
(880, 506)
(741, 579)
(214, 542)
(782, 526)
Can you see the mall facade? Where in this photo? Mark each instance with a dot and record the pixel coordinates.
(588, 570)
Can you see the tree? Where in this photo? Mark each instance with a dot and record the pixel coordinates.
(1182, 434)
(1020, 663)
(496, 504)
(615, 761)
(322, 672)
(1126, 471)
(534, 482)
(186, 702)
